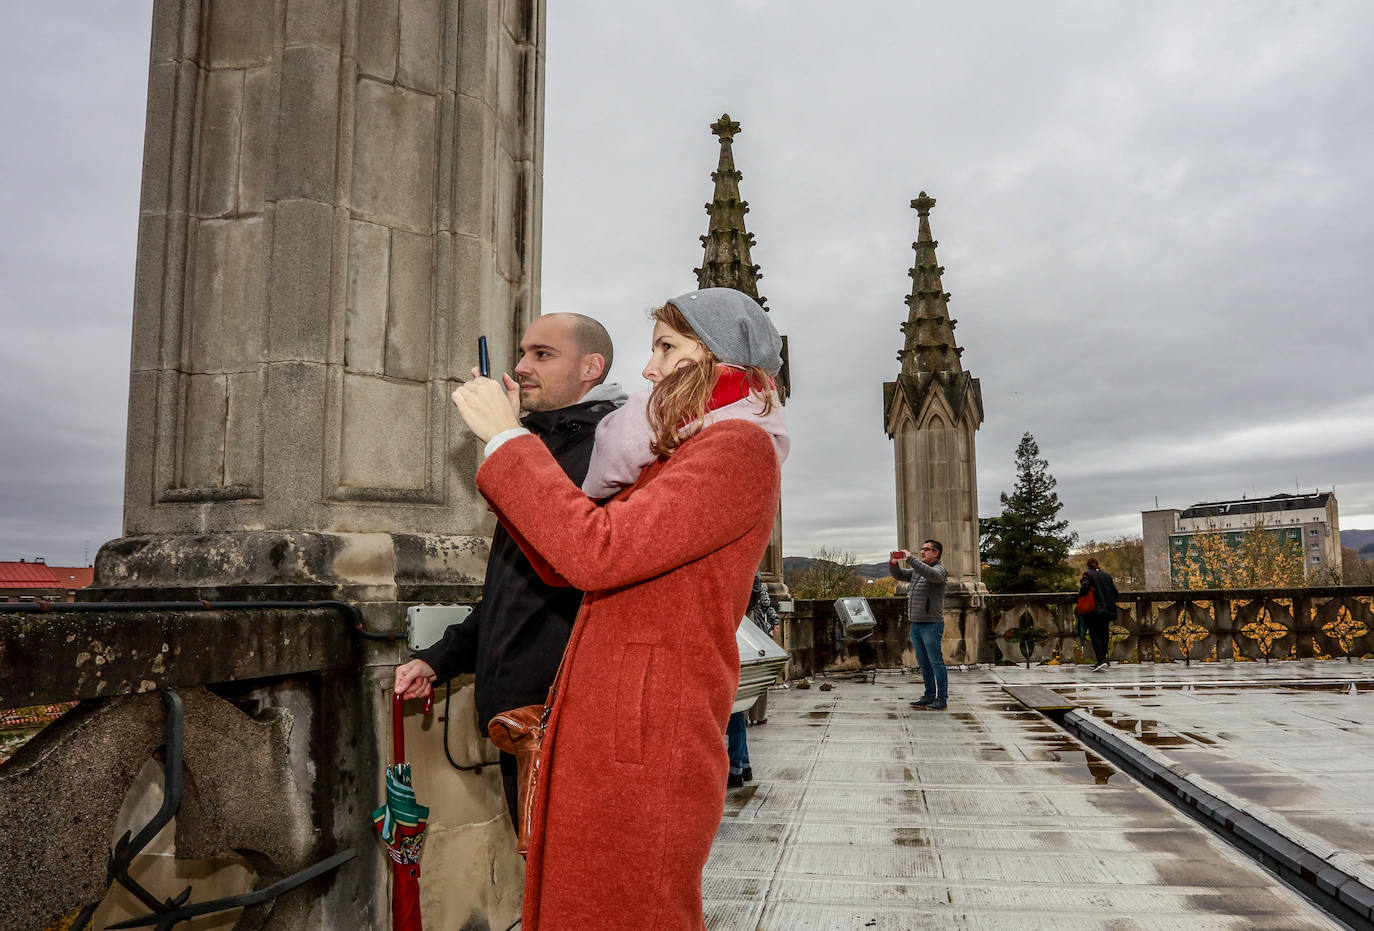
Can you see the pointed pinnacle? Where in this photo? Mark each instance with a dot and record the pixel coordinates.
(725, 128)
(923, 204)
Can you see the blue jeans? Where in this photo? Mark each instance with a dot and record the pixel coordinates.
(738, 743)
(926, 640)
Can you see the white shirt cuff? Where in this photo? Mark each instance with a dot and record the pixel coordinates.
(495, 442)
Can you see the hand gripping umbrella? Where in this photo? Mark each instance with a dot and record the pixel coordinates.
(401, 822)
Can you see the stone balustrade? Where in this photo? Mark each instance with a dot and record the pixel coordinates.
(1329, 622)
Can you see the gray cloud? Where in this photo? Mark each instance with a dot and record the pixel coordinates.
(1155, 221)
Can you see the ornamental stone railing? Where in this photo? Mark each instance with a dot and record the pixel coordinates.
(1263, 625)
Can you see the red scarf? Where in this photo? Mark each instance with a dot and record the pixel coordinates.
(732, 385)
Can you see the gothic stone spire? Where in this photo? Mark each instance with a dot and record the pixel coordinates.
(930, 357)
(930, 345)
(727, 263)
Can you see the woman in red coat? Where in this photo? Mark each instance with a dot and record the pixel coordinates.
(632, 770)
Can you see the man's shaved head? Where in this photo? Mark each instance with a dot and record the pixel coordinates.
(591, 337)
(562, 357)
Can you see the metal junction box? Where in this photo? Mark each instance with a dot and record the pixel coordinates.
(761, 661)
(856, 616)
(425, 624)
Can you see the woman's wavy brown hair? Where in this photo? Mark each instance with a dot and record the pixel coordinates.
(677, 405)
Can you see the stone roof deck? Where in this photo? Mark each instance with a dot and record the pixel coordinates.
(867, 813)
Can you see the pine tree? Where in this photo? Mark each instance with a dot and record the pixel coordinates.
(1027, 547)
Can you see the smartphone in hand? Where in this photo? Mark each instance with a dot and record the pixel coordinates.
(483, 359)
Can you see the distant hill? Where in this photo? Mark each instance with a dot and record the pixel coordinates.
(877, 570)
(1361, 541)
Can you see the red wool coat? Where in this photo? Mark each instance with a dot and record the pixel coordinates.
(632, 772)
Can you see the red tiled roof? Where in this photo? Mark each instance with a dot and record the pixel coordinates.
(74, 576)
(29, 575)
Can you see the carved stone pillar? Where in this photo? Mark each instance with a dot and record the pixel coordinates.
(338, 198)
(932, 412)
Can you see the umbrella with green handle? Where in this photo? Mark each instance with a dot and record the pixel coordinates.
(401, 822)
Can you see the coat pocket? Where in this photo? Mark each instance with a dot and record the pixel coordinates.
(631, 696)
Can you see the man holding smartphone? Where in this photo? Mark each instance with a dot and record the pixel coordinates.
(514, 639)
(925, 611)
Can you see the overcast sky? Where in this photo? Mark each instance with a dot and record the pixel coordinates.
(1156, 221)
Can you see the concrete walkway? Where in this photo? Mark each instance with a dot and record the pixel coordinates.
(866, 813)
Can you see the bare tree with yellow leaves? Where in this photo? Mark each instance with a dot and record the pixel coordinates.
(1252, 558)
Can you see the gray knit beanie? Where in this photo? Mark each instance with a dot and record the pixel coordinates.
(733, 326)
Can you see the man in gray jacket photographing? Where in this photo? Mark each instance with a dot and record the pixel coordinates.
(925, 611)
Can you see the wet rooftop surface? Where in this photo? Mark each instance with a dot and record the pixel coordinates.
(867, 813)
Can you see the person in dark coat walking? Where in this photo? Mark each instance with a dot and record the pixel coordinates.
(1100, 618)
(514, 639)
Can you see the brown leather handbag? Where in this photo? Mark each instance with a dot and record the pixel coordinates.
(519, 732)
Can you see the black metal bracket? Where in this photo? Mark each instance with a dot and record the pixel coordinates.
(165, 921)
(166, 913)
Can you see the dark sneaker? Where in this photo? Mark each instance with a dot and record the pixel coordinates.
(734, 781)
(936, 706)
(748, 774)
(922, 701)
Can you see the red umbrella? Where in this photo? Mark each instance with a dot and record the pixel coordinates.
(401, 822)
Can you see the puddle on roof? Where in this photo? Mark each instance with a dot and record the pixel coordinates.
(1092, 767)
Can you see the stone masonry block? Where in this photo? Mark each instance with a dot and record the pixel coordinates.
(159, 141)
(442, 311)
(408, 340)
(295, 407)
(471, 293)
(253, 141)
(477, 50)
(217, 143)
(224, 316)
(367, 558)
(242, 33)
(204, 416)
(516, 18)
(474, 169)
(314, 22)
(180, 139)
(309, 110)
(149, 279)
(243, 430)
(506, 230)
(377, 38)
(509, 86)
(421, 29)
(298, 320)
(141, 443)
(393, 156)
(369, 261)
(384, 440)
(165, 415)
(176, 31)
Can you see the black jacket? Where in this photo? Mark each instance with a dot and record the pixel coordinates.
(514, 639)
(1104, 593)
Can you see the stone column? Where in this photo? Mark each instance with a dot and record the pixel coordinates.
(338, 198)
